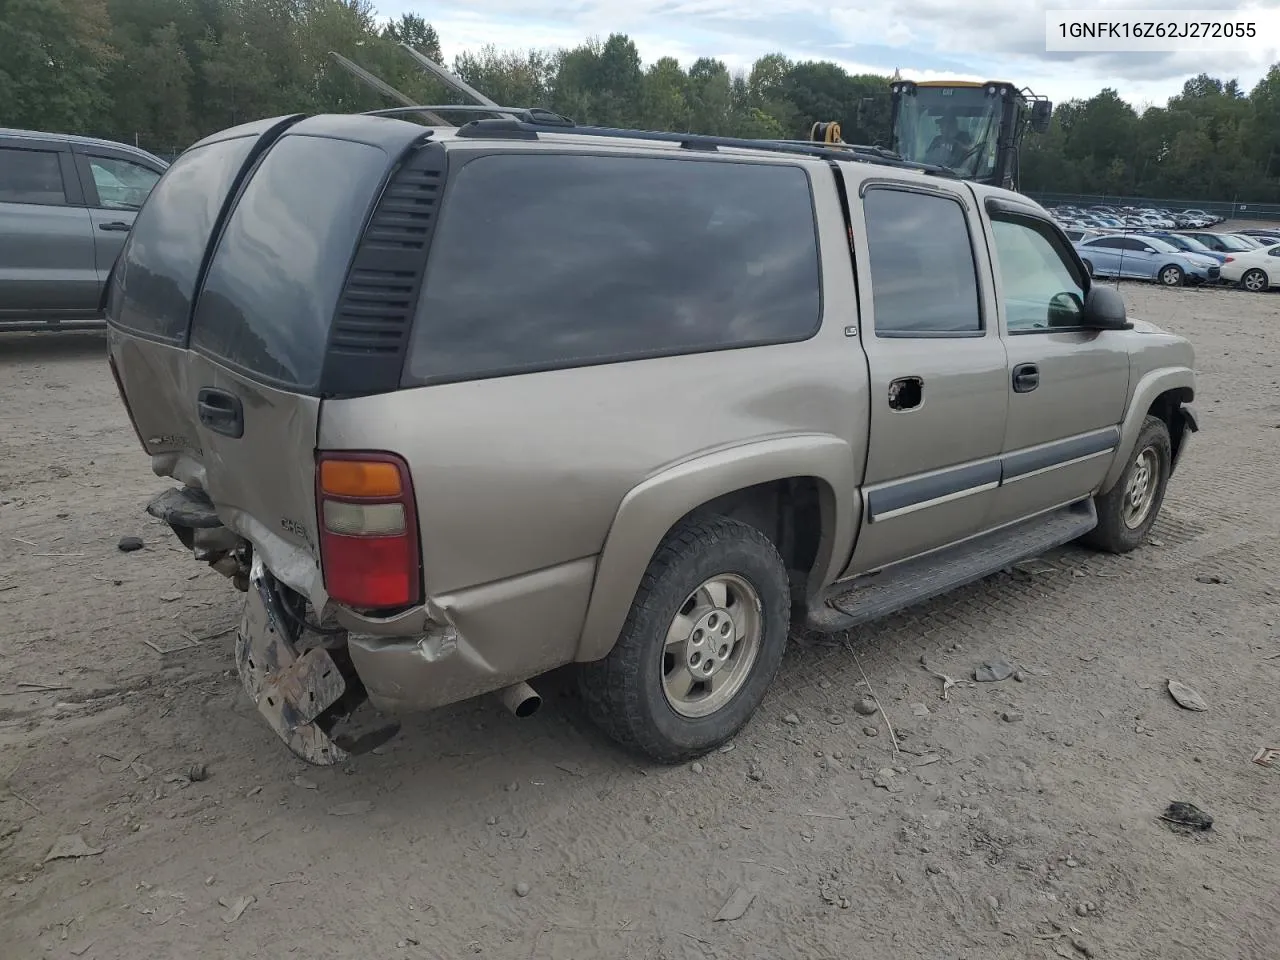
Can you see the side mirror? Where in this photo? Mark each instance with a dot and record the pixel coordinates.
(1147, 250)
(1041, 113)
(1104, 309)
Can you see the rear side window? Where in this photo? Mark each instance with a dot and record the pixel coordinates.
(30, 176)
(923, 278)
(270, 295)
(558, 260)
(156, 273)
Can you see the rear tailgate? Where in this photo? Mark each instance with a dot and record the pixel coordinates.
(226, 395)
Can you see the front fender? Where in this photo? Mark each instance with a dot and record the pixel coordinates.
(653, 506)
(1151, 386)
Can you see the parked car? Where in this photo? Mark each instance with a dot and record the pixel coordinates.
(1219, 242)
(458, 407)
(66, 206)
(1254, 270)
(1142, 257)
(1188, 245)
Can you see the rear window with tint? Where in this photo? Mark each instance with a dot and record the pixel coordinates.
(273, 284)
(156, 273)
(557, 260)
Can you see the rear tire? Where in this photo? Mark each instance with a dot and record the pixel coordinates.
(1255, 280)
(1172, 275)
(1127, 511)
(713, 607)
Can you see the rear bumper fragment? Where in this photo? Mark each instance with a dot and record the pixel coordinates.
(291, 689)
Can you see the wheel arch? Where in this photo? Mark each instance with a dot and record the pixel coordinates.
(799, 490)
(1161, 393)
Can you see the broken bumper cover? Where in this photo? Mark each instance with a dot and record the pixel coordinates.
(291, 689)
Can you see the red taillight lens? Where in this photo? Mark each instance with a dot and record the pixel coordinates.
(115, 375)
(1228, 259)
(368, 530)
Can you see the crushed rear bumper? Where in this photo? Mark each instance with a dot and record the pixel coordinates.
(292, 689)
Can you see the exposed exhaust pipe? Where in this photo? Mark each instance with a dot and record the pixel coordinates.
(521, 699)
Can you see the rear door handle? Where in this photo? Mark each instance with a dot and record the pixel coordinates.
(221, 412)
(116, 226)
(1026, 377)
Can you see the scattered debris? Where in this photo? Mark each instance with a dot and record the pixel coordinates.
(886, 778)
(572, 768)
(925, 759)
(835, 719)
(947, 682)
(522, 889)
(856, 659)
(992, 671)
(1011, 716)
(696, 767)
(865, 707)
(737, 904)
(71, 847)
(197, 772)
(919, 710)
(1213, 578)
(130, 544)
(792, 719)
(1266, 756)
(1186, 697)
(871, 731)
(1186, 816)
(352, 809)
(39, 687)
(753, 773)
(236, 907)
(305, 784)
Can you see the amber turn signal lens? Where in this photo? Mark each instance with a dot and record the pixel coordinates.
(358, 478)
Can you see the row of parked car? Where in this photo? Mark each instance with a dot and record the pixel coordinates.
(1104, 217)
(1249, 259)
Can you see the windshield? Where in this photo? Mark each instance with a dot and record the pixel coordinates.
(953, 127)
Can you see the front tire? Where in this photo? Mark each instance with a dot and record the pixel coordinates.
(1172, 275)
(1255, 280)
(1127, 511)
(701, 644)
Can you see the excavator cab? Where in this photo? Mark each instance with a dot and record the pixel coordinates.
(973, 129)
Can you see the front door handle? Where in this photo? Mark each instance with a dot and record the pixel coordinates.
(221, 412)
(115, 226)
(1026, 377)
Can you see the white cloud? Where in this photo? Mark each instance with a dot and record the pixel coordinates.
(925, 39)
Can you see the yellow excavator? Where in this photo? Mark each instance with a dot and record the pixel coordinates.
(973, 129)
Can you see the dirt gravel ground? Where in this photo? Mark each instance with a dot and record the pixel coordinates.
(1019, 819)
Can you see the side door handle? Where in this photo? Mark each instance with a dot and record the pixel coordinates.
(115, 226)
(221, 412)
(1026, 377)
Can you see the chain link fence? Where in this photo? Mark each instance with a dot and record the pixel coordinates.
(1231, 210)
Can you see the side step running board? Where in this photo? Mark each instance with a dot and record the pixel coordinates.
(872, 597)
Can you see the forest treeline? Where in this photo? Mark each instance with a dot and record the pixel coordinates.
(162, 73)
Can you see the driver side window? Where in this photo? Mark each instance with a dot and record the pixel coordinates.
(1039, 288)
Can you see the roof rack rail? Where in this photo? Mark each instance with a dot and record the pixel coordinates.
(526, 114)
(517, 126)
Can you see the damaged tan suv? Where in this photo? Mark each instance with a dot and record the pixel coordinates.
(458, 406)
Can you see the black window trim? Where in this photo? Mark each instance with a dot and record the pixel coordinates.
(458, 162)
(978, 279)
(1058, 240)
(71, 192)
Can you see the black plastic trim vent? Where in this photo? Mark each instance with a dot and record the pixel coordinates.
(371, 327)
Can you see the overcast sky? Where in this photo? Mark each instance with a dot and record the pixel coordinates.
(976, 40)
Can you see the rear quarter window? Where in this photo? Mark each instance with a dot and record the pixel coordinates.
(557, 260)
(156, 272)
(269, 298)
